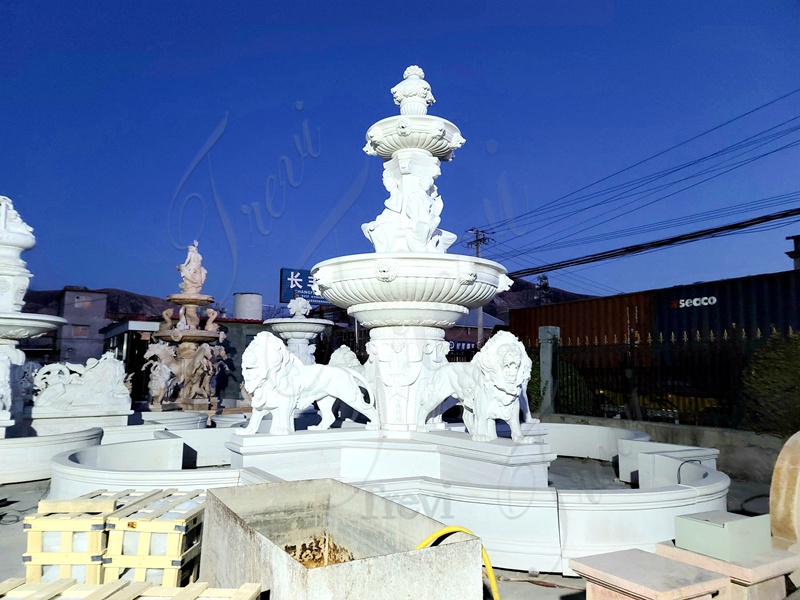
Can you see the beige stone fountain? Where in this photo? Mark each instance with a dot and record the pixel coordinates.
(183, 357)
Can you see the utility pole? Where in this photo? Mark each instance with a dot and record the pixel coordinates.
(480, 238)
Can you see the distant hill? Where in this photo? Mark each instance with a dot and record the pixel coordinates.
(121, 304)
(42, 302)
(524, 294)
(124, 305)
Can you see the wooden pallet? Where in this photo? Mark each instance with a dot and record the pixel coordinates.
(67, 589)
(78, 528)
(159, 542)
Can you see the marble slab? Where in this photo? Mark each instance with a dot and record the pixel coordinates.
(638, 574)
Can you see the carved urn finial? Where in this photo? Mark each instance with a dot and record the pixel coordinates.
(15, 236)
(413, 95)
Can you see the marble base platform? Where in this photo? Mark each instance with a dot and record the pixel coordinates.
(524, 526)
(5, 422)
(361, 455)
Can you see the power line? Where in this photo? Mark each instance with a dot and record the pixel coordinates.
(659, 244)
(664, 197)
(641, 162)
(628, 188)
(727, 211)
(480, 238)
(579, 281)
(531, 246)
(642, 194)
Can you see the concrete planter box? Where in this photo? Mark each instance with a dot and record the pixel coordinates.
(247, 529)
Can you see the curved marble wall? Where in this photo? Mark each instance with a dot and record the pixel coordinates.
(28, 458)
(523, 528)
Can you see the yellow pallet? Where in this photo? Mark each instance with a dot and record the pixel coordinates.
(159, 542)
(75, 531)
(67, 589)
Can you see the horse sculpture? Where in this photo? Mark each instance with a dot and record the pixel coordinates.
(164, 369)
(279, 383)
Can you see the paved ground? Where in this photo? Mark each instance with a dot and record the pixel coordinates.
(17, 500)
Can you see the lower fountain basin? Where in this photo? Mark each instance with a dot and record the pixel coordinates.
(495, 489)
(17, 326)
(29, 458)
(359, 455)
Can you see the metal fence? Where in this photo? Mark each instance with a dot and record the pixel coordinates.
(684, 380)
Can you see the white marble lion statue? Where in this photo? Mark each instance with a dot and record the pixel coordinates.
(343, 356)
(279, 383)
(488, 387)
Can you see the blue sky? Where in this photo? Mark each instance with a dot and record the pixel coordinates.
(131, 128)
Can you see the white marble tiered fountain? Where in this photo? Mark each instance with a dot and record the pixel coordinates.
(407, 293)
(299, 330)
(24, 452)
(15, 236)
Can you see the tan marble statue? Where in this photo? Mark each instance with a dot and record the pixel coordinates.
(192, 271)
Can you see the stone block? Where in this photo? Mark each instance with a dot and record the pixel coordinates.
(248, 530)
(723, 535)
(761, 577)
(629, 574)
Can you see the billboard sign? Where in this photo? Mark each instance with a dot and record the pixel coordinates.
(297, 283)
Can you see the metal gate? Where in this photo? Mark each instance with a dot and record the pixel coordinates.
(679, 381)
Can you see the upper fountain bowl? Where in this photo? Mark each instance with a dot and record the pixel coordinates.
(424, 282)
(297, 328)
(419, 132)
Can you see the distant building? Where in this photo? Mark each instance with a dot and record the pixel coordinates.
(752, 307)
(85, 312)
(88, 314)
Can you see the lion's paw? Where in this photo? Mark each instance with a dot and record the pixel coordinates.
(373, 426)
(524, 439)
(482, 438)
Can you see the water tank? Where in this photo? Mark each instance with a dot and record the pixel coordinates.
(247, 306)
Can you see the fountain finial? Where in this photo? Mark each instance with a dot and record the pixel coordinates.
(413, 95)
(15, 236)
